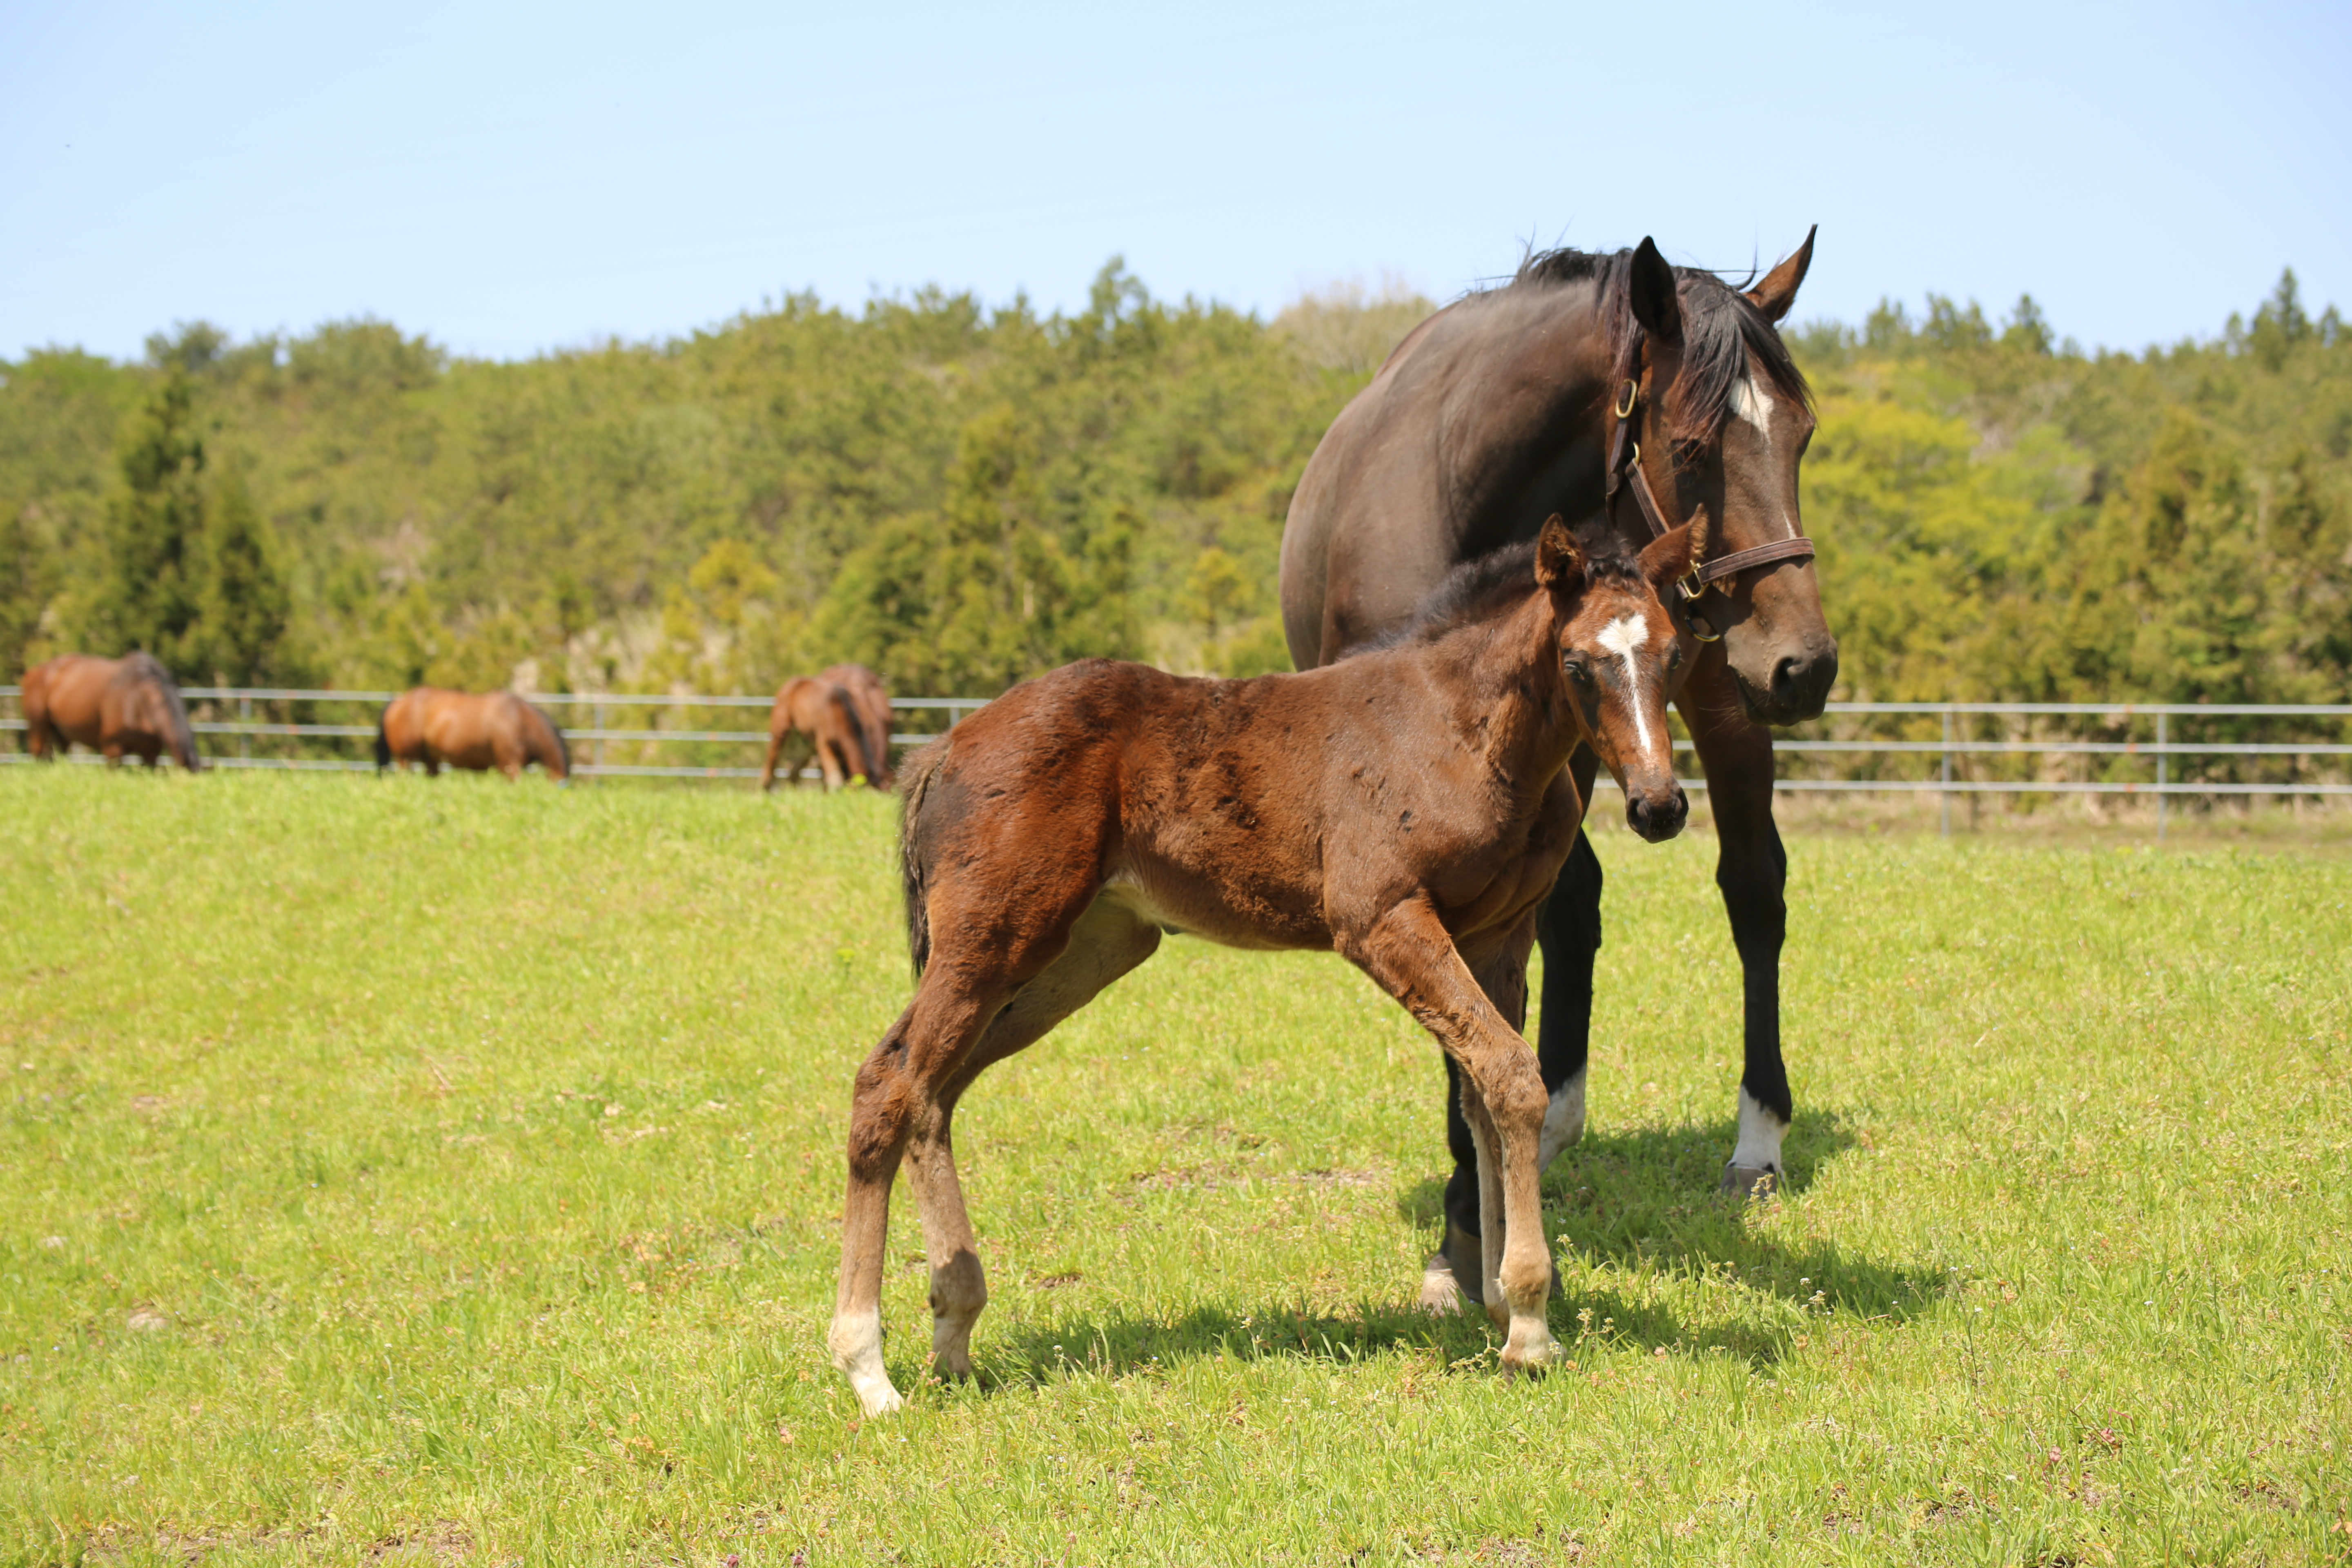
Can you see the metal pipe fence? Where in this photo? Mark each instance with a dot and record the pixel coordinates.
(1951, 749)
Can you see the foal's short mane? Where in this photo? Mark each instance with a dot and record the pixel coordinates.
(1719, 327)
(1480, 589)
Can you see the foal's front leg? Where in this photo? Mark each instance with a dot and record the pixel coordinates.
(1410, 953)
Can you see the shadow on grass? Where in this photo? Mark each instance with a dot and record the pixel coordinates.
(1639, 1204)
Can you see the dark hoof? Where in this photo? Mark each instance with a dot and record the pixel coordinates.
(1749, 1181)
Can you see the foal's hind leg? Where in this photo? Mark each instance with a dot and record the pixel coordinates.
(1106, 944)
(894, 1088)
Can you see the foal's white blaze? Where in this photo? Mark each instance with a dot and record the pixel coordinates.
(1622, 637)
(1760, 1131)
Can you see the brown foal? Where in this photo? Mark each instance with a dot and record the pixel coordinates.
(1407, 807)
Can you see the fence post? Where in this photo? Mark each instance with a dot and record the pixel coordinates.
(245, 715)
(1948, 773)
(600, 738)
(2163, 773)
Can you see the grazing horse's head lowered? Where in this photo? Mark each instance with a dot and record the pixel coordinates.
(1707, 409)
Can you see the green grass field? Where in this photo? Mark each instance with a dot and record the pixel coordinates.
(411, 1172)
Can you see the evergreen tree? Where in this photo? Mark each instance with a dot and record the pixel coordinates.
(148, 596)
(243, 606)
(28, 578)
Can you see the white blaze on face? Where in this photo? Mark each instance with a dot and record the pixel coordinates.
(1752, 403)
(1622, 637)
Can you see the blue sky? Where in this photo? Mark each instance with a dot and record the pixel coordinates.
(508, 179)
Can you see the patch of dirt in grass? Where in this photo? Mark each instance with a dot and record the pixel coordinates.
(445, 1541)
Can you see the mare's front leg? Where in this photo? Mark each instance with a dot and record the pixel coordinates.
(1752, 870)
(1106, 944)
(1410, 954)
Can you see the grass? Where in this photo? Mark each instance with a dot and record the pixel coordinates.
(451, 1172)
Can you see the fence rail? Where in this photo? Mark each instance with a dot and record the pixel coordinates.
(2094, 738)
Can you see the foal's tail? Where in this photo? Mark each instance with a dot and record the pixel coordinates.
(915, 783)
(382, 742)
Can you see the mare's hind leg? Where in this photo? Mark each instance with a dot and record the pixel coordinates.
(1107, 941)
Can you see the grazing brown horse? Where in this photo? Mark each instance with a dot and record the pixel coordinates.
(807, 705)
(115, 706)
(1594, 381)
(874, 717)
(1407, 807)
(475, 731)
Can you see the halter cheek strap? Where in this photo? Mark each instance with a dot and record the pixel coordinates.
(1625, 473)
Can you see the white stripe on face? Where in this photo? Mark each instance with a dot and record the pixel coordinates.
(1622, 637)
(1752, 403)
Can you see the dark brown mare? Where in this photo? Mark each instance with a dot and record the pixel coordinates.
(1594, 381)
(128, 705)
(475, 730)
(816, 707)
(1407, 807)
(874, 719)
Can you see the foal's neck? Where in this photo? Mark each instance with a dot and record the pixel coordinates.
(1511, 705)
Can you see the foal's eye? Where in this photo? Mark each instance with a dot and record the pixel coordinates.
(1675, 658)
(1578, 670)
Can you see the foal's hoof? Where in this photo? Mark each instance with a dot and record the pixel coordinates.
(1757, 1182)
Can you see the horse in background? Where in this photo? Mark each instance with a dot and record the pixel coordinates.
(874, 718)
(476, 732)
(827, 715)
(114, 706)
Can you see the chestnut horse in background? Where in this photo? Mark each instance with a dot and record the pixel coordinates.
(1407, 807)
(476, 732)
(874, 717)
(827, 715)
(115, 706)
(1614, 382)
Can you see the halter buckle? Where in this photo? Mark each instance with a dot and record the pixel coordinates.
(1632, 395)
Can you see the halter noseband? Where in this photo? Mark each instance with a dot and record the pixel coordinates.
(1624, 462)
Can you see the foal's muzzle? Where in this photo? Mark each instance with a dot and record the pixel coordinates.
(1657, 815)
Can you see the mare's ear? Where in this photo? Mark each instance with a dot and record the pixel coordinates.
(1558, 560)
(1778, 289)
(1651, 283)
(1672, 555)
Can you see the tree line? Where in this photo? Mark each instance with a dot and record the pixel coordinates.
(963, 497)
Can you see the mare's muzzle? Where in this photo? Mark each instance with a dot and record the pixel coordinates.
(1657, 815)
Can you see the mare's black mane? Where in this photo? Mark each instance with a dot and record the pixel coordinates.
(1480, 588)
(1720, 328)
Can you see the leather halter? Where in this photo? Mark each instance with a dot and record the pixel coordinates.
(1625, 463)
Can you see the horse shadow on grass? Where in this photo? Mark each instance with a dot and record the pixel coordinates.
(1639, 1204)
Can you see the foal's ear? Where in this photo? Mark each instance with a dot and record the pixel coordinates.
(1778, 289)
(1651, 285)
(1558, 560)
(1672, 555)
